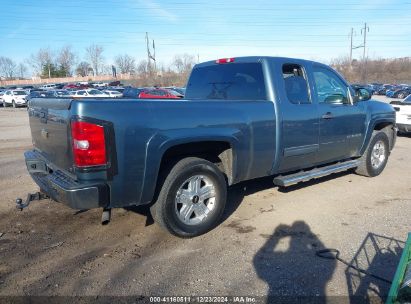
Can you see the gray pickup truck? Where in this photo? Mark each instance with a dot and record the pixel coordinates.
(242, 118)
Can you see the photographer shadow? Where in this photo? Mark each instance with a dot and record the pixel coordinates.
(288, 264)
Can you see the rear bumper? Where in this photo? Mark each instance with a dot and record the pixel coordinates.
(64, 189)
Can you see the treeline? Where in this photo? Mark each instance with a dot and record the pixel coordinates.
(394, 71)
(65, 62)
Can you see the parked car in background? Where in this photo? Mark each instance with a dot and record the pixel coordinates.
(118, 89)
(383, 89)
(158, 94)
(114, 83)
(1, 97)
(403, 114)
(58, 93)
(99, 84)
(131, 92)
(113, 93)
(399, 93)
(49, 86)
(88, 93)
(36, 94)
(181, 91)
(15, 98)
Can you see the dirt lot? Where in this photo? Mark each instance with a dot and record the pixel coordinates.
(265, 246)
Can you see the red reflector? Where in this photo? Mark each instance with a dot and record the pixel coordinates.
(89, 145)
(224, 60)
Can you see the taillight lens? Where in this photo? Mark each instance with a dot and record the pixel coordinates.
(89, 145)
(224, 60)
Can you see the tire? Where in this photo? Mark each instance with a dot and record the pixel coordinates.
(178, 197)
(401, 95)
(375, 158)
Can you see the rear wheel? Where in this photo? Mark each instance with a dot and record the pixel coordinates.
(375, 157)
(192, 198)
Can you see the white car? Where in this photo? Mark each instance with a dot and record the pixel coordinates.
(50, 86)
(100, 84)
(403, 114)
(113, 93)
(15, 98)
(88, 93)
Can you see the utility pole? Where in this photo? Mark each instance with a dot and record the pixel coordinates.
(352, 33)
(149, 56)
(364, 31)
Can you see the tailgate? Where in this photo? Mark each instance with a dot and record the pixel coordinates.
(49, 123)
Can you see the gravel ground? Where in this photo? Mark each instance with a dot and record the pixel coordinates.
(265, 246)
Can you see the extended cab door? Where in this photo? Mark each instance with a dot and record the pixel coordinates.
(342, 122)
(299, 113)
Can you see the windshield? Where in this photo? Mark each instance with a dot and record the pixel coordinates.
(95, 92)
(19, 92)
(238, 81)
(62, 93)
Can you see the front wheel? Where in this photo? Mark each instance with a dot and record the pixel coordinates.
(192, 198)
(375, 158)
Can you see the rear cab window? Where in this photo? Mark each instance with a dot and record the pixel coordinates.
(231, 81)
(296, 85)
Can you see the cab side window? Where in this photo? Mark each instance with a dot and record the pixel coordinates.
(296, 86)
(329, 87)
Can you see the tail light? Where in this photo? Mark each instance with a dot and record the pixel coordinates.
(224, 60)
(89, 144)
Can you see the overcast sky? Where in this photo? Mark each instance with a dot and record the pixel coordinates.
(209, 29)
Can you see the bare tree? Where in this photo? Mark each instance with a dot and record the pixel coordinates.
(22, 69)
(43, 58)
(126, 64)
(83, 68)
(94, 55)
(66, 59)
(7, 67)
(183, 63)
(142, 67)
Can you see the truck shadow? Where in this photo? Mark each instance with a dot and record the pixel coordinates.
(288, 264)
(238, 192)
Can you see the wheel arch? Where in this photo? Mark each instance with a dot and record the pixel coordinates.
(387, 125)
(220, 150)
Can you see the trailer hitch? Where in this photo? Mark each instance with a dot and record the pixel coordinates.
(30, 197)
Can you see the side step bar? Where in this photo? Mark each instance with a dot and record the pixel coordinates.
(303, 176)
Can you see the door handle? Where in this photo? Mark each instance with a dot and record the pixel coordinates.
(327, 115)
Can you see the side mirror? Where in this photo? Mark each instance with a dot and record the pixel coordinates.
(362, 94)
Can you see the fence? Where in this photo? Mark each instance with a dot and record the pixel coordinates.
(38, 80)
